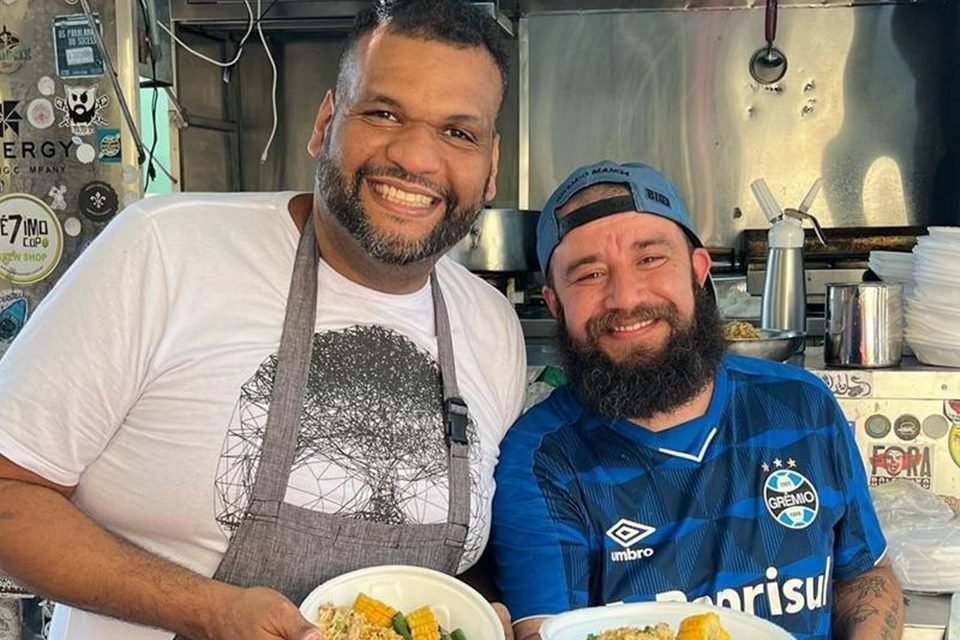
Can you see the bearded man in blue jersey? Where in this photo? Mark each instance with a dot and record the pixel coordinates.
(667, 470)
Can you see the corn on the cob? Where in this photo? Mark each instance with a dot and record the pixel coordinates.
(376, 612)
(705, 626)
(423, 625)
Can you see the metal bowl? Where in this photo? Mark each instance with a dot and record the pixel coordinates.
(774, 345)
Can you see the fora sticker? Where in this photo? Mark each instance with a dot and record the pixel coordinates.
(13, 315)
(81, 109)
(791, 499)
(891, 461)
(31, 240)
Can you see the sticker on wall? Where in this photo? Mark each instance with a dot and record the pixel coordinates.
(907, 427)
(97, 201)
(13, 315)
(10, 117)
(954, 443)
(72, 226)
(86, 153)
(81, 109)
(877, 426)
(46, 85)
(13, 53)
(892, 461)
(40, 113)
(12, 1)
(951, 409)
(56, 193)
(935, 426)
(108, 145)
(31, 240)
(75, 46)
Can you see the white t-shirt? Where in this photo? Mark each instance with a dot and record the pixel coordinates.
(144, 379)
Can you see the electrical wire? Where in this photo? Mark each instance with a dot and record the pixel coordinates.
(258, 22)
(250, 24)
(273, 66)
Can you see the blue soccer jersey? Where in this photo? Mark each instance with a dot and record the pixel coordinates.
(759, 505)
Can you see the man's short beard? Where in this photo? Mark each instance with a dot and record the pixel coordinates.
(647, 382)
(343, 201)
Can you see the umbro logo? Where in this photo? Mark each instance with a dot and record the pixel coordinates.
(627, 533)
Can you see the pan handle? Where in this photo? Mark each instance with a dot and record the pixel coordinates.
(770, 23)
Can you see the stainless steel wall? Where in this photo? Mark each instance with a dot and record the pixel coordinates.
(867, 103)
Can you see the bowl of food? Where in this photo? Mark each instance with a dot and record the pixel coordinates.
(395, 602)
(770, 344)
(660, 621)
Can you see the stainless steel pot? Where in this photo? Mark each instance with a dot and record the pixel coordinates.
(500, 240)
(863, 325)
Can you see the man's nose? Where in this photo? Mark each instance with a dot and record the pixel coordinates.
(624, 290)
(415, 148)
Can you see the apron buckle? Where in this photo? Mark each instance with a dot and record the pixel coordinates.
(455, 420)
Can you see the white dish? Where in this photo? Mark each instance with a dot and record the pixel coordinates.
(575, 625)
(946, 234)
(934, 353)
(456, 604)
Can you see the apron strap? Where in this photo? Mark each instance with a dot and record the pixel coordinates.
(290, 380)
(454, 417)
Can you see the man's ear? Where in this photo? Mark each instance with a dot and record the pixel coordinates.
(553, 302)
(491, 190)
(700, 259)
(320, 125)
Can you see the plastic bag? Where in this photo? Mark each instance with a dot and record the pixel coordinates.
(923, 536)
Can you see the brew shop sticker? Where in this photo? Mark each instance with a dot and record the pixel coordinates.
(31, 239)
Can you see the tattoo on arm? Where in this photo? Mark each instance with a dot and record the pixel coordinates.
(869, 587)
(860, 605)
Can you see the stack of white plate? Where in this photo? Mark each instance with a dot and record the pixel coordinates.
(893, 266)
(933, 309)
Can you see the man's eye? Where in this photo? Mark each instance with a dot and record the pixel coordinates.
(382, 114)
(460, 134)
(589, 276)
(650, 260)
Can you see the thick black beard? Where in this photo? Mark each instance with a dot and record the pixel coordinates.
(343, 201)
(646, 383)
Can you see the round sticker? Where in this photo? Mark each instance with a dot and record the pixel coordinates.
(877, 425)
(953, 443)
(935, 426)
(46, 86)
(86, 153)
(907, 427)
(97, 201)
(40, 113)
(31, 240)
(72, 227)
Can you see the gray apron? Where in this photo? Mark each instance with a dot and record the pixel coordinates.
(293, 549)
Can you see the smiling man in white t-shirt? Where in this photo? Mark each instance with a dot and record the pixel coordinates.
(190, 442)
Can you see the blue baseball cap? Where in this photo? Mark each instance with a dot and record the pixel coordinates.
(650, 192)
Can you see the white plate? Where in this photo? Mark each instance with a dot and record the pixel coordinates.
(406, 588)
(575, 625)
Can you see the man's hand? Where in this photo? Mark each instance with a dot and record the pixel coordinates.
(260, 614)
(501, 610)
(869, 607)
